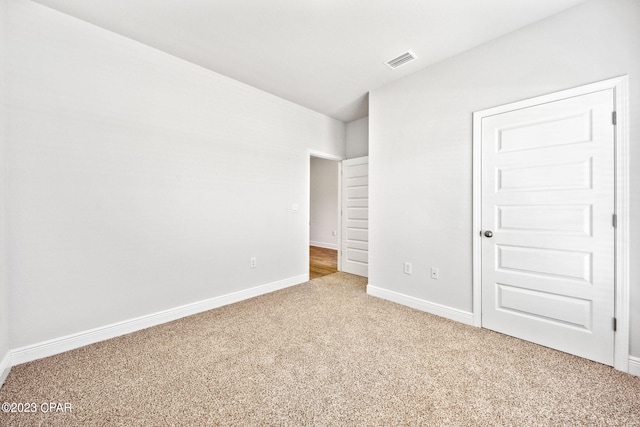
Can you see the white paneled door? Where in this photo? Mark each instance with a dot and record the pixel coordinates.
(548, 231)
(355, 216)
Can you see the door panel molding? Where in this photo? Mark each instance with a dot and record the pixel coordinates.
(619, 85)
(355, 216)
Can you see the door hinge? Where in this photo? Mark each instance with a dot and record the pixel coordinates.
(615, 324)
(615, 221)
(614, 118)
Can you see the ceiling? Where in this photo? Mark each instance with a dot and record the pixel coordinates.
(323, 54)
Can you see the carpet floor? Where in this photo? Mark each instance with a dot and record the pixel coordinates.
(321, 353)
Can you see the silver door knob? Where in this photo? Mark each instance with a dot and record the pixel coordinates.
(488, 233)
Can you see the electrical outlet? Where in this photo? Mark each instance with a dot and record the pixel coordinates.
(407, 268)
(253, 262)
(434, 273)
(334, 233)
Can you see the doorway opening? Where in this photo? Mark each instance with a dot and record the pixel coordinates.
(324, 216)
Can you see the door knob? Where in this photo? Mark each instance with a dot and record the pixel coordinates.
(488, 233)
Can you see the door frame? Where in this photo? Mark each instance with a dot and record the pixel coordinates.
(337, 159)
(621, 146)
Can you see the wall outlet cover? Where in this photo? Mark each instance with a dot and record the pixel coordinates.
(407, 268)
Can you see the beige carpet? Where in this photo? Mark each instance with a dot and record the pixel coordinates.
(321, 353)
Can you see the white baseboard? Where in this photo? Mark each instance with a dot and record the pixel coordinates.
(5, 367)
(81, 339)
(419, 304)
(325, 245)
(634, 366)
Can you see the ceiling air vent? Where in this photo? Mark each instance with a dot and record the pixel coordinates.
(394, 63)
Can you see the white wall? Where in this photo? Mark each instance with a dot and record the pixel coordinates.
(4, 291)
(324, 203)
(140, 182)
(357, 138)
(421, 143)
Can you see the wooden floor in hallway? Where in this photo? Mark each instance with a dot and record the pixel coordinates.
(322, 261)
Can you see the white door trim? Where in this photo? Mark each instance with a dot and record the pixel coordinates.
(622, 298)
